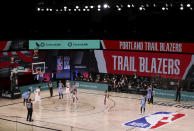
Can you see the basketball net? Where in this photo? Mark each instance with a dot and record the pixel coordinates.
(40, 73)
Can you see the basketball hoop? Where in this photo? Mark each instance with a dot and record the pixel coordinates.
(38, 68)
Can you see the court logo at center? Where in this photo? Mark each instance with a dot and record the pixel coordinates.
(155, 120)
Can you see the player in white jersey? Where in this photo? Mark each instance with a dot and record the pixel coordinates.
(75, 99)
(74, 96)
(37, 95)
(68, 86)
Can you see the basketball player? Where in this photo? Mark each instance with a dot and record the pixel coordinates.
(37, 94)
(60, 89)
(68, 86)
(75, 99)
(106, 96)
(50, 86)
(149, 93)
(74, 96)
(26, 96)
(143, 104)
(152, 96)
(74, 88)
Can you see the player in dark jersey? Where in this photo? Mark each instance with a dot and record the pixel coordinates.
(30, 110)
(149, 93)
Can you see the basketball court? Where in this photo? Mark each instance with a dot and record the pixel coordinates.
(90, 114)
(133, 49)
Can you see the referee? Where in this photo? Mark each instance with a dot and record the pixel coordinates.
(30, 110)
(50, 86)
(178, 92)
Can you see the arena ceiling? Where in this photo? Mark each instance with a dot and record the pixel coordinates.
(124, 19)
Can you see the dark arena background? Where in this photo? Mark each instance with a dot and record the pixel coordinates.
(115, 65)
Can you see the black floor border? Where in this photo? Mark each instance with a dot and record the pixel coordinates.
(30, 124)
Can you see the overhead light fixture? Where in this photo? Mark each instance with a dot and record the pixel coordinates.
(76, 7)
(128, 6)
(98, 9)
(188, 5)
(86, 7)
(140, 8)
(105, 6)
(38, 9)
(91, 6)
(99, 6)
(181, 8)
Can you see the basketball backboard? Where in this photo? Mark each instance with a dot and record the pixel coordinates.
(38, 68)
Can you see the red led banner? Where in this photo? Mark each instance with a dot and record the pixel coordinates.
(148, 46)
(176, 66)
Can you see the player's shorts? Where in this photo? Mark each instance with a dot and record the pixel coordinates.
(25, 99)
(148, 96)
(37, 98)
(106, 99)
(67, 90)
(143, 105)
(60, 91)
(74, 98)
